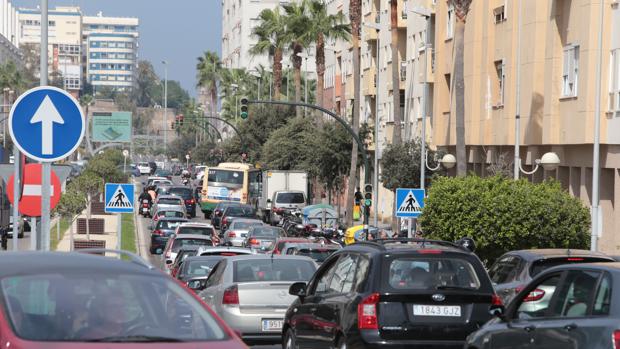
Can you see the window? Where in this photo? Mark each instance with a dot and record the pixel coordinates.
(536, 303)
(505, 270)
(450, 22)
(570, 71)
(614, 81)
(602, 301)
(406, 274)
(322, 283)
(344, 274)
(499, 14)
(576, 294)
(500, 81)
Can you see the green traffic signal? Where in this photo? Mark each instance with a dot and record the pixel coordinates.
(244, 108)
(368, 202)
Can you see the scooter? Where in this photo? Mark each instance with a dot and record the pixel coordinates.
(145, 208)
(185, 181)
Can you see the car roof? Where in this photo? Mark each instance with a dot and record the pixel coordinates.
(204, 249)
(177, 186)
(292, 239)
(28, 263)
(241, 205)
(176, 219)
(603, 266)
(269, 256)
(313, 245)
(196, 225)
(167, 197)
(404, 245)
(534, 254)
(150, 178)
(204, 258)
(193, 237)
(175, 208)
(246, 220)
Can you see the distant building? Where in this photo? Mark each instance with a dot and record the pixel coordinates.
(9, 38)
(111, 51)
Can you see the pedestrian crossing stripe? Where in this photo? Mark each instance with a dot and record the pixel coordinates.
(410, 204)
(119, 199)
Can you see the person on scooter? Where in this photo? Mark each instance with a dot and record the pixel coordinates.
(185, 176)
(145, 196)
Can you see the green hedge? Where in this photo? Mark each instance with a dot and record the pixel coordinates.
(503, 215)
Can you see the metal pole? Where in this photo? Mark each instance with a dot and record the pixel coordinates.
(287, 85)
(47, 166)
(376, 169)
(16, 187)
(119, 231)
(59, 218)
(597, 136)
(165, 107)
(259, 79)
(125, 164)
(33, 233)
(306, 86)
(517, 158)
(426, 88)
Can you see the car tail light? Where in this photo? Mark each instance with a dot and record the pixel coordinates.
(190, 202)
(231, 296)
(253, 241)
(158, 232)
(278, 210)
(429, 251)
(535, 295)
(367, 313)
(225, 221)
(231, 234)
(616, 339)
(574, 259)
(495, 300)
(156, 218)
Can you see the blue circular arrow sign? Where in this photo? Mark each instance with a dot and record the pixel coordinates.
(46, 123)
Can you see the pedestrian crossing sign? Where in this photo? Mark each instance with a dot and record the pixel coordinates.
(119, 198)
(409, 202)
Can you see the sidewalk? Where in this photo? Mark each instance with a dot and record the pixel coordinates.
(110, 236)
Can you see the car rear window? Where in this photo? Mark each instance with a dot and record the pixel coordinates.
(201, 268)
(196, 230)
(244, 225)
(319, 255)
(544, 264)
(185, 193)
(257, 270)
(183, 242)
(169, 201)
(420, 273)
(239, 211)
(173, 214)
(290, 198)
(168, 224)
(268, 232)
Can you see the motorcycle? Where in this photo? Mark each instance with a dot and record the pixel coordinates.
(145, 208)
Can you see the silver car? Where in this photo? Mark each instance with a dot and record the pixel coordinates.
(168, 201)
(251, 292)
(238, 231)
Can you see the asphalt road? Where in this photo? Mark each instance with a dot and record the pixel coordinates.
(144, 239)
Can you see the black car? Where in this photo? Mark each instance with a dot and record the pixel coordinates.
(580, 311)
(164, 227)
(238, 211)
(515, 269)
(400, 293)
(187, 195)
(216, 217)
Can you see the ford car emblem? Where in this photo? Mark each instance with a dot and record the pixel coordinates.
(439, 297)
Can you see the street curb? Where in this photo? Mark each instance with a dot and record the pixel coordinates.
(138, 229)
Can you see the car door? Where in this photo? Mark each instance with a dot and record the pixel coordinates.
(524, 314)
(576, 318)
(212, 287)
(503, 274)
(304, 319)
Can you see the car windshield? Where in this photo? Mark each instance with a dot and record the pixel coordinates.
(200, 268)
(272, 270)
(100, 307)
(168, 224)
(290, 198)
(430, 274)
(543, 264)
(185, 193)
(244, 225)
(169, 201)
(319, 255)
(268, 232)
(196, 230)
(183, 242)
(173, 214)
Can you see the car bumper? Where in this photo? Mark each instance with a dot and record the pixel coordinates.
(237, 242)
(250, 325)
(373, 340)
(191, 209)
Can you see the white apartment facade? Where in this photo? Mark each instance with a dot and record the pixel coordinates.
(9, 37)
(111, 51)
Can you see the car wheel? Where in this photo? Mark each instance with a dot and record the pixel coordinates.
(342, 344)
(290, 342)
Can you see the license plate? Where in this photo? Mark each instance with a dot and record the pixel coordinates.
(272, 325)
(437, 310)
(265, 243)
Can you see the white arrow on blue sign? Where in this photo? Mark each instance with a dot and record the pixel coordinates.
(46, 123)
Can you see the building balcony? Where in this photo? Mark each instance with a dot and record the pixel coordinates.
(369, 84)
(402, 14)
(370, 34)
(348, 89)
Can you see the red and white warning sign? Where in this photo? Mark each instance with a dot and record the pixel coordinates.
(30, 203)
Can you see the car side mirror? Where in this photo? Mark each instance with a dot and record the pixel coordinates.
(168, 261)
(498, 311)
(195, 285)
(298, 289)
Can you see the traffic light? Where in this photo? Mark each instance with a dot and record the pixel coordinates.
(244, 108)
(181, 119)
(368, 195)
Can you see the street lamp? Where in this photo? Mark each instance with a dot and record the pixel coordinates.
(165, 63)
(257, 75)
(305, 56)
(549, 161)
(448, 161)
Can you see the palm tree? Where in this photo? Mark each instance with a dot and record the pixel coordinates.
(355, 17)
(271, 34)
(325, 27)
(297, 32)
(396, 135)
(209, 67)
(86, 101)
(13, 78)
(461, 8)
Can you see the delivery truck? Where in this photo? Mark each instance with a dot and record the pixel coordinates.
(281, 190)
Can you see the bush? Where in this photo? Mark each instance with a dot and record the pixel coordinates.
(503, 215)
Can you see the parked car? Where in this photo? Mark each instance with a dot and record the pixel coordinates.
(318, 252)
(399, 293)
(81, 300)
(232, 212)
(197, 268)
(177, 242)
(263, 237)
(251, 292)
(238, 231)
(144, 168)
(167, 201)
(182, 255)
(581, 312)
(513, 270)
(162, 231)
(218, 211)
(281, 243)
(186, 194)
(285, 201)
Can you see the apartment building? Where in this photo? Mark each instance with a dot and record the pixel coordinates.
(64, 41)
(9, 38)
(111, 51)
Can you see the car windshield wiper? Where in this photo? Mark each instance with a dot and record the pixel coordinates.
(129, 339)
(446, 287)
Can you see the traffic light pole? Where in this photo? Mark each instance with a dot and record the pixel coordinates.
(341, 121)
(243, 142)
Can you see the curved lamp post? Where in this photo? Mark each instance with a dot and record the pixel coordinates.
(549, 161)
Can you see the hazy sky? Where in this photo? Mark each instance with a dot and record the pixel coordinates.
(175, 30)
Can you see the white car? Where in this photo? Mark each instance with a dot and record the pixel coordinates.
(200, 172)
(144, 168)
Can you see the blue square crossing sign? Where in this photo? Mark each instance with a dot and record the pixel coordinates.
(409, 202)
(119, 198)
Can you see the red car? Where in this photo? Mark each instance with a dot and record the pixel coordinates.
(281, 241)
(79, 300)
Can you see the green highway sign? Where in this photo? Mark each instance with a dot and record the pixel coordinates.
(112, 127)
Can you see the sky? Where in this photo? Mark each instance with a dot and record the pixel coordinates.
(178, 31)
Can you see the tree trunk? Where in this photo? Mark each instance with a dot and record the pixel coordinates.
(297, 62)
(277, 73)
(396, 132)
(459, 91)
(320, 68)
(213, 97)
(89, 145)
(355, 15)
